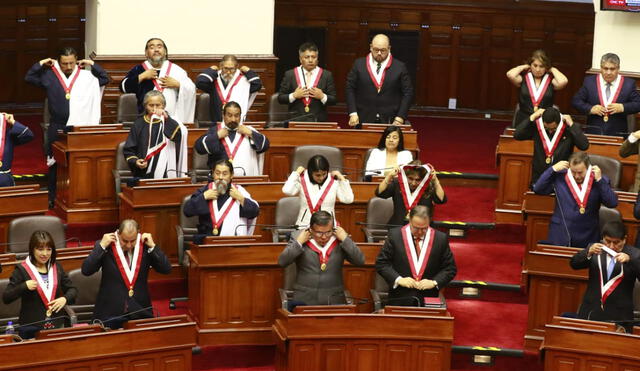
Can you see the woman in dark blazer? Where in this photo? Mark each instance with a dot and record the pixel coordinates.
(43, 286)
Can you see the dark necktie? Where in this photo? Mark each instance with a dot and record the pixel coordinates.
(612, 265)
(378, 67)
(607, 92)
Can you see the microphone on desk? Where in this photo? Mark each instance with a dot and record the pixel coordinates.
(380, 224)
(188, 173)
(266, 227)
(564, 221)
(285, 123)
(244, 172)
(123, 316)
(598, 129)
(357, 301)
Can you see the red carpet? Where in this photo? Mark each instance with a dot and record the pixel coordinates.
(467, 204)
(29, 158)
(492, 262)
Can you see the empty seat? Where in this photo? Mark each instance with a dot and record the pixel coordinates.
(610, 167)
(21, 229)
(202, 117)
(286, 214)
(302, 154)
(379, 211)
(127, 109)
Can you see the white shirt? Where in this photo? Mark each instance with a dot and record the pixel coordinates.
(378, 161)
(308, 82)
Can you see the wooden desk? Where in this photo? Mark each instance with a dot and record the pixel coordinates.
(514, 160)
(233, 289)
(161, 346)
(538, 209)
(553, 286)
(24, 200)
(86, 159)
(357, 341)
(578, 346)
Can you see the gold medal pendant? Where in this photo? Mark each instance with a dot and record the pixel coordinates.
(306, 108)
(582, 210)
(407, 216)
(606, 118)
(548, 160)
(49, 312)
(68, 96)
(215, 231)
(0, 163)
(323, 266)
(130, 292)
(535, 108)
(231, 160)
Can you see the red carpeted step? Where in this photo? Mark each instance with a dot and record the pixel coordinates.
(493, 262)
(468, 204)
(29, 157)
(487, 324)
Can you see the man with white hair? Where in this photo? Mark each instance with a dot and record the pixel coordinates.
(158, 73)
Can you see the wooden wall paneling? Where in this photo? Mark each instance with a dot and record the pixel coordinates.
(470, 78)
(8, 47)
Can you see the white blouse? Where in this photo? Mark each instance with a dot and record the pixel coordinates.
(378, 161)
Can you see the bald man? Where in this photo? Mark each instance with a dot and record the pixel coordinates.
(379, 88)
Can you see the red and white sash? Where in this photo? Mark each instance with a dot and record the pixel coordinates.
(47, 292)
(314, 201)
(602, 87)
(299, 74)
(378, 79)
(146, 65)
(536, 93)
(580, 192)
(225, 92)
(154, 150)
(417, 263)
(607, 288)
(66, 82)
(231, 147)
(324, 252)
(218, 215)
(411, 199)
(3, 135)
(129, 273)
(550, 145)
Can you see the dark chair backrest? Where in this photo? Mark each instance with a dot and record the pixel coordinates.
(277, 112)
(186, 230)
(199, 169)
(302, 154)
(121, 165)
(610, 167)
(287, 210)
(379, 211)
(608, 215)
(380, 284)
(11, 311)
(88, 286)
(203, 114)
(127, 109)
(21, 229)
(364, 164)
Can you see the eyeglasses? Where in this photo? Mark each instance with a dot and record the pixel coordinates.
(322, 234)
(376, 50)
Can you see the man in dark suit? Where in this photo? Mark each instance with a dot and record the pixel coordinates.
(319, 253)
(607, 98)
(307, 89)
(125, 258)
(613, 270)
(415, 260)
(580, 190)
(379, 88)
(554, 137)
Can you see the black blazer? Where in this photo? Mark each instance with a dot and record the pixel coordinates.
(394, 97)
(392, 262)
(113, 294)
(619, 304)
(32, 308)
(572, 136)
(289, 84)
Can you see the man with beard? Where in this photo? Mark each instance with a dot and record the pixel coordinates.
(379, 88)
(410, 185)
(319, 253)
(73, 94)
(242, 145)
(223, 208)
(158, 73)
(554, 137)
(580, 189)
(307, 89)
(157, 144)
(226, 83)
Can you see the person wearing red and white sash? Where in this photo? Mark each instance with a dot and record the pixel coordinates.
(229, 82)
(223, 207)
(613, 269)
(231, 140)
(554, 138)
(73, 96)
(580, 189)
(125, 258)
(415, 184)
(317, 188)
(157, 144)
(607, 99)
(158, 73)
(415, 260)
(319, 253)
(379, 88)
(12, 133)
(42, 285)
(307, 89)
(538, 80)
